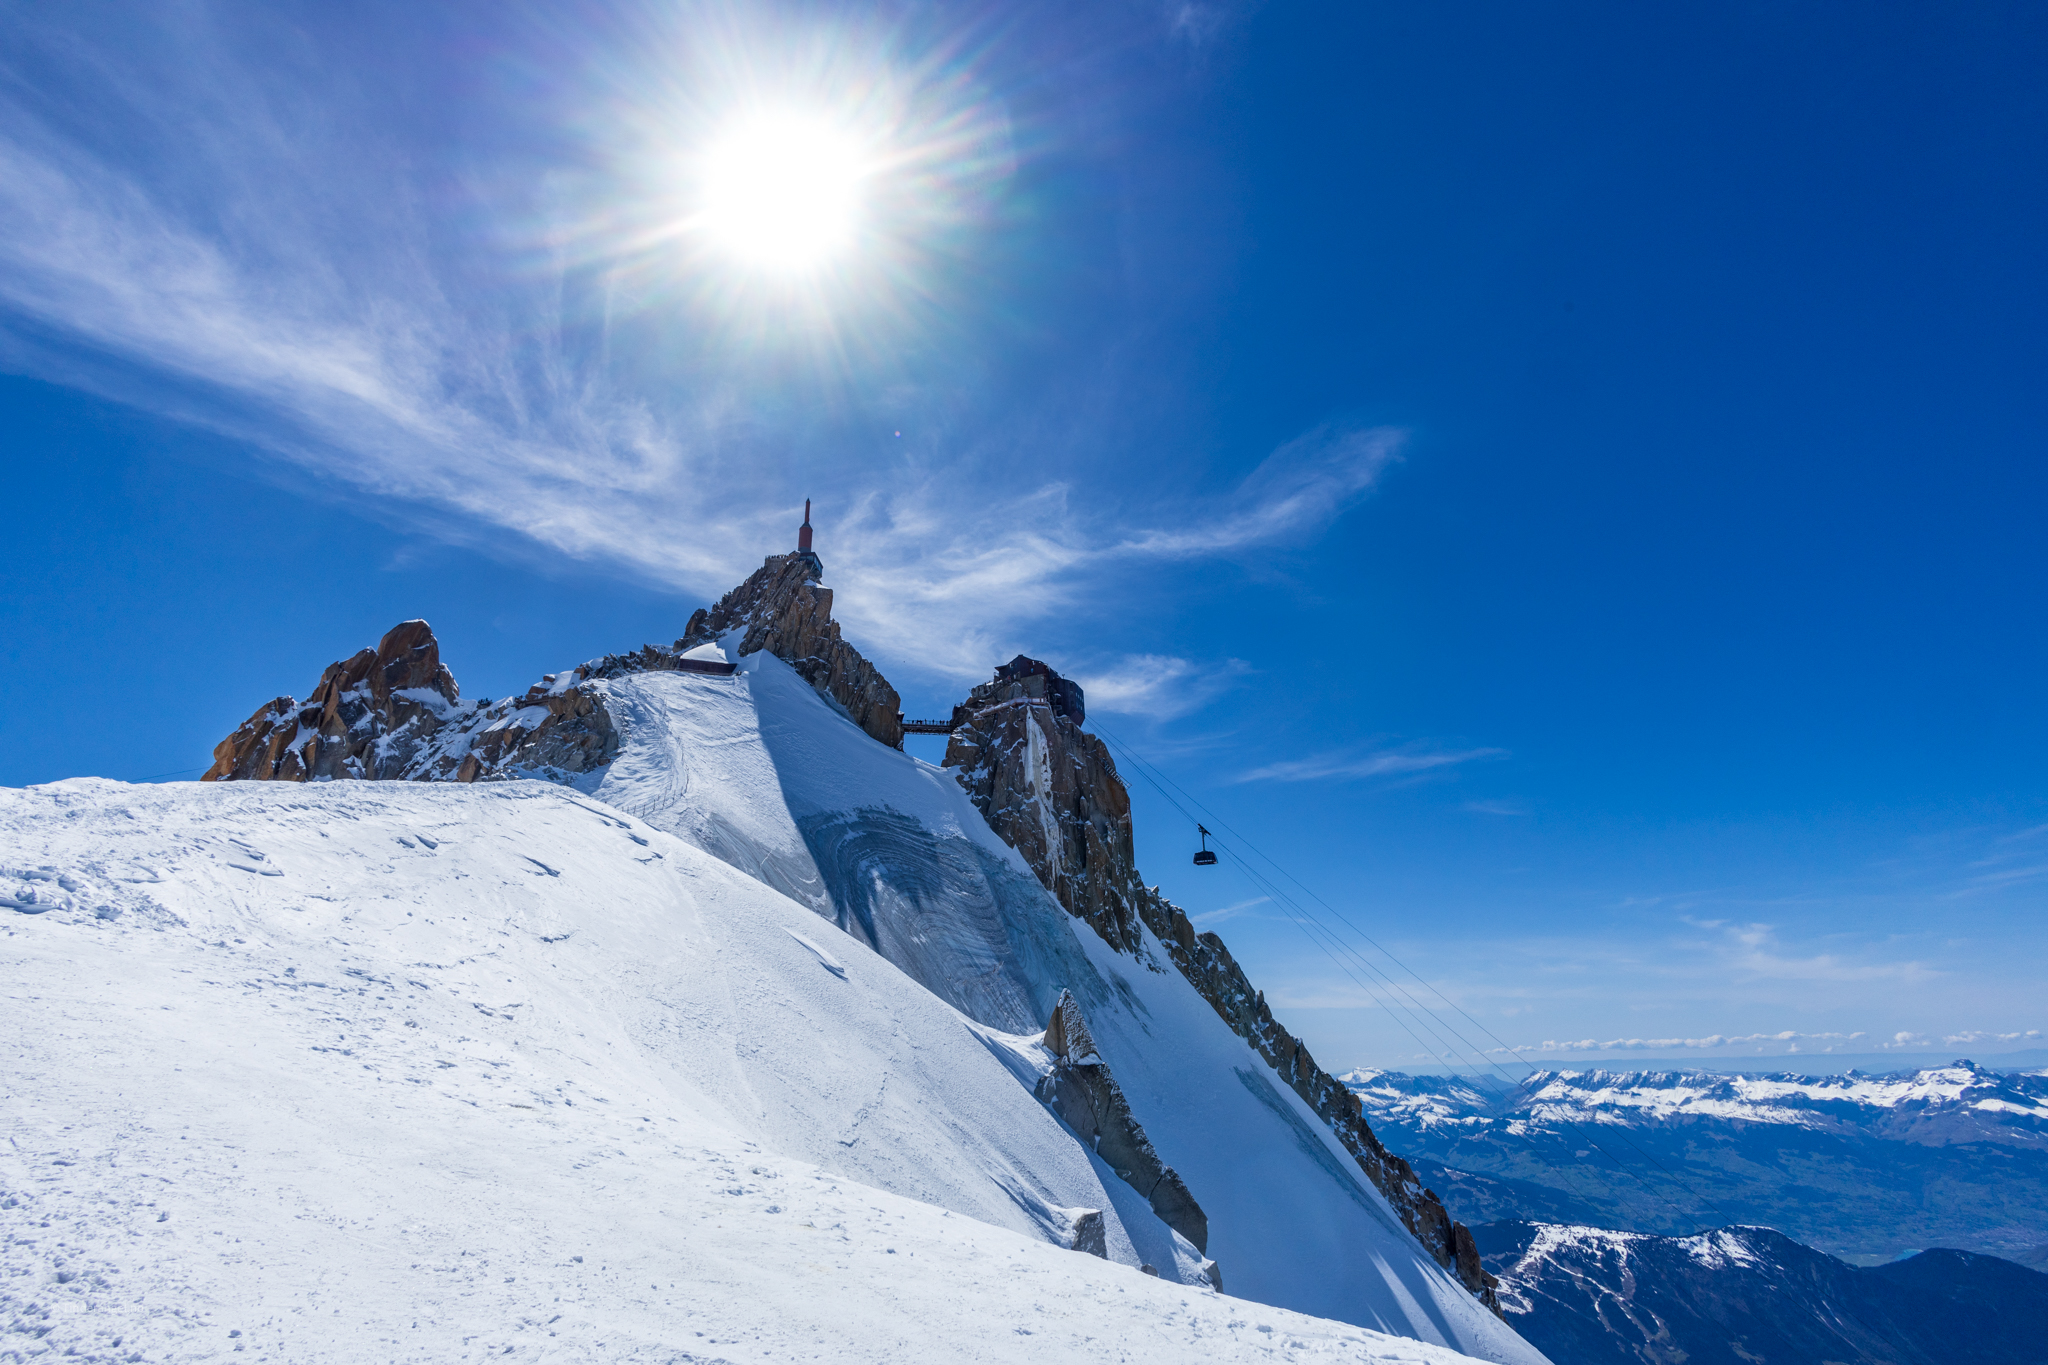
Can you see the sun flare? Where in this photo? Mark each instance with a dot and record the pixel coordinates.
(783, 191)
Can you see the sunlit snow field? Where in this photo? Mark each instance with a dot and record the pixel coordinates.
(383, 1072)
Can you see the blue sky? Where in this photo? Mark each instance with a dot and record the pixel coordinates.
(1565, 482)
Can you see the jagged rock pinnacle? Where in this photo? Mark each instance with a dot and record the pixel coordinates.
(782, 609)
(395, 713)
(368, 717)
(1081, 1091)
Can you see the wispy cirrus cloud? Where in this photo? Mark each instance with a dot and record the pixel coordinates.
(1754, 950)
(1212, 917)
(1158, 686)
(289, 272)
(1296, 490)
(1354, 764)
(2012, 860)
(1495, 808)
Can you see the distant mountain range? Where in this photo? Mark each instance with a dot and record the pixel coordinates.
(1868, 1168)
(1803, 1063)
(1751, 1296)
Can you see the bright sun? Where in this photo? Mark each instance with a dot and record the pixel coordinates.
(782, 191)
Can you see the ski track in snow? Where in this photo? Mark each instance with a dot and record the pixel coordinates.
(410, 1073)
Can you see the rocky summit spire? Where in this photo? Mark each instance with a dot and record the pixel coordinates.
(783, 609)
(803, 546)
(370, 717)
(394, 712)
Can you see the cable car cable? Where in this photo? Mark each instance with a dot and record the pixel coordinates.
(1147, 771)
(1310, 926)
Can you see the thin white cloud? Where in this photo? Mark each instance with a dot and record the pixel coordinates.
(1495, 808)
(1297, 490)
(1159, 686)
(1754, 950)
(1349, 765)
(276, 284)
(1211, 917)
(1975, 1035)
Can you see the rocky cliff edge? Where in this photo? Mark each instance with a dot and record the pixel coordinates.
(394, 713)
(1051, 791)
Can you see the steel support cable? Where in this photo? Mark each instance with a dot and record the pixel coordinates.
(1302, 919)
(1318, 935)
(1347, 922)
(1336, 948)
(1338, 951)
(1147, 771)
(1344, 919)
(1447, 1056)
(1310, 928)
(1155, 779)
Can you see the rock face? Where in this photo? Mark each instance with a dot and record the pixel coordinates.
(1086, 1233)
(1051, 791)
(1081, 1091)
(370, 717)
(784, 610)
(394, 712)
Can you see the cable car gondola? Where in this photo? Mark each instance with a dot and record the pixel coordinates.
(1205, 858)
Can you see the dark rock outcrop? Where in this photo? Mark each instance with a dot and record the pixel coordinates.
(370, 717)
(1051, 791)
(1081, 1091)
(394, 712)
(1087, 1233)
(784, 610)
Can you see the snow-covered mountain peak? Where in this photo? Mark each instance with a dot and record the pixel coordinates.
(762, 743)
(430, 1072)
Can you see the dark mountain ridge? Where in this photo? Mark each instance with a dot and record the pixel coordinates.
(1753, 1296)
(1867, 1168)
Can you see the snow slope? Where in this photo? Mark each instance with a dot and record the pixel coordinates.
(409, 1072)
(758, 769)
